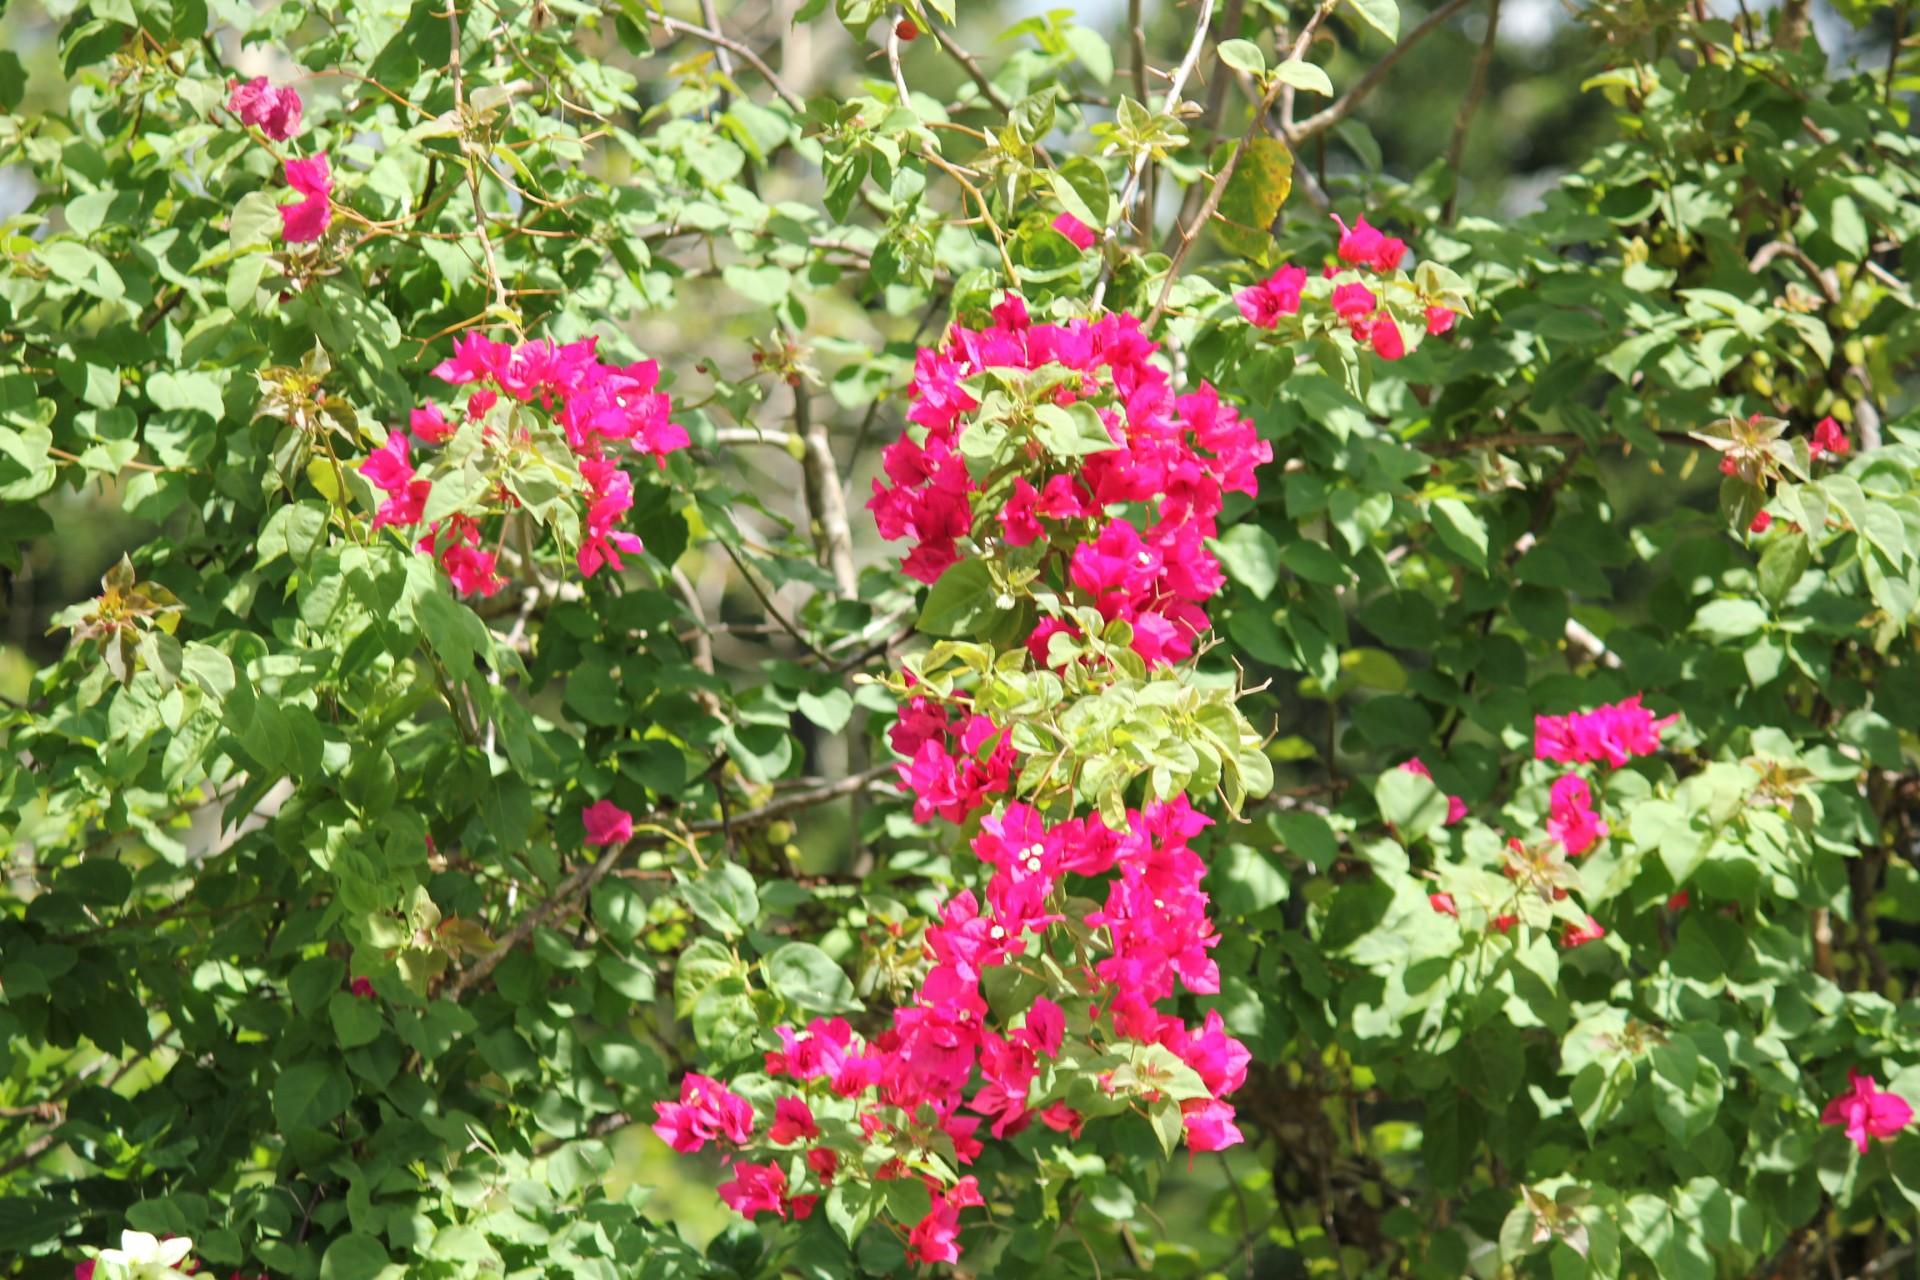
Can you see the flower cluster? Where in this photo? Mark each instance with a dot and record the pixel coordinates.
(275, 112)
(538, 387)
(1362, 249)
(260, 105)
(944, 770)
(1614, 734)
(1173, 456)
(1867, 1111)
(944, 1068)
(1107, 915)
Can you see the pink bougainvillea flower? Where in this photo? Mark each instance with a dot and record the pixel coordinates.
(1572, 819)
(308, 218)
(1075, 230)
(1828, 437)
(274, 112)
(429, 425)
(1386, 338)
(1679, 901)
(1456, 807)
(1614, 733)
(1279, 295)
(1018, 516)
(823, 1162)
(1062, 1118)
(1209, 1124)
(1354, 302)
(388, 470)
(607, 823)
(363, 987)
(1867, 1111)
(1762, 521)
(1502, 924)
(792, 1122)
(1439, 320)
(1365, 246)
(757, 1189)
(1443, 903)
(1588, 930)
(707, 1112)
(935, 1238)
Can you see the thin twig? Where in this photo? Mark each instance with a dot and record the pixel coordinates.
(1457, 149)
(582, 881)
(1300, 48)
(752, 59)
(893, 56)
(826, 500)
(1191, 231)
(1344, 105)
(971, 65)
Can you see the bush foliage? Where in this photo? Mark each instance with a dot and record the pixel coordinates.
(955, 638)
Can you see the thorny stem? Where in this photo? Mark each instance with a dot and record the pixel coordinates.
(1212, 204)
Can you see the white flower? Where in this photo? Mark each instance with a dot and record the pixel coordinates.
(144, 1257)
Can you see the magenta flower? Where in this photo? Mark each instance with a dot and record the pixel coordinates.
(1209, 1124)
(274, 112)
(1279, 295)
(756, 1189)
(1353, 302)
(1443, 904)
(607, 823)
(1828, 437)
(935, 1238)
(1365, 246)
(792, 1122)
(1588, 930)
(1572, 819)
(308, 218)
(388, 470)
(1867, 1111)
(1388, 343)
(1075, 230)
(707, 1112)
(1615, 733)
(1439, 321)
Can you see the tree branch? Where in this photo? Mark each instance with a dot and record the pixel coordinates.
(747, 55)
(583, 879)
(1476, 90)
(1344, 105)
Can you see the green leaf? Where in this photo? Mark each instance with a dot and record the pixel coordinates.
(1782, 564)
(356, 1020)
(830, 710)
(807, 978)
(1260, 184)
(310, 1094)
(1413, 804)
(1072, 432)
(1304, 75)
(724, 898)
(1243, 55)
(962, 602)
(1382, 15)
(1250, 557)
(1461, 530)
(354, 1257)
